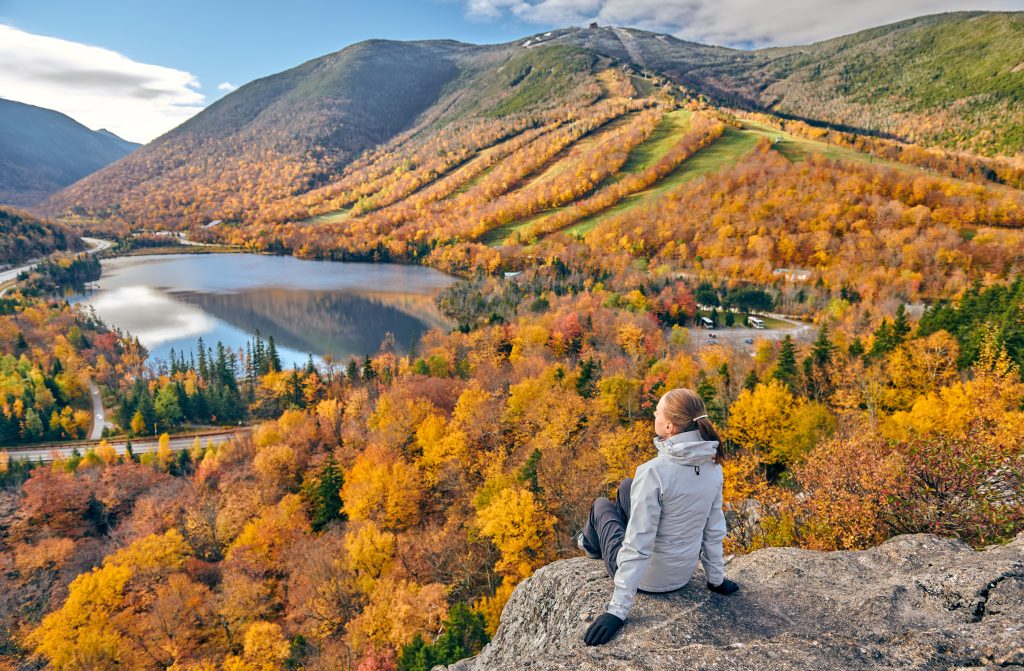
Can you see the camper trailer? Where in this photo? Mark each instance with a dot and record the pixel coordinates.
(755, 322)
(706, 322)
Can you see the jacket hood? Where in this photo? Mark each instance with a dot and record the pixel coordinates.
(687, 448)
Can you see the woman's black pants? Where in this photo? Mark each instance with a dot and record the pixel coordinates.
(606, 526)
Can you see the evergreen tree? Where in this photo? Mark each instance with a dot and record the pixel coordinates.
(464, 636)
(368, 372)
(751, 380)
(352, 370)
(822, 348)
(785, 367)
(706, 390)
(856, 347)
(528, 473)
(273, 360)
(586, 381)
(322, 495)
(146, 411)
(166, 406)
(204, 371)
(885, 340)
(901, 325)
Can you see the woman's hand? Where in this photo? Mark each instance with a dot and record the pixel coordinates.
(602, 630)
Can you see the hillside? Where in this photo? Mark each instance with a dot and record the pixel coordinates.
(372, 124)
(953, 80)
(43, 151)
(23, 237)
(298, 130)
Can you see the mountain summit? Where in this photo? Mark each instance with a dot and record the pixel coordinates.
(952, 80)
(42, 151)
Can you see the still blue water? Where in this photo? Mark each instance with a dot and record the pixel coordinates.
(309, 307)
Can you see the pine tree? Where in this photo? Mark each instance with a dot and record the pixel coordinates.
(204, 372)
(528, 473)
(322, 495)
(368, 372)
(785, 367)
(822, 349)
(273, 360)
(856, 347)
(901, 325)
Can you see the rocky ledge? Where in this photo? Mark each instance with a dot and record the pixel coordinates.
(914, 602)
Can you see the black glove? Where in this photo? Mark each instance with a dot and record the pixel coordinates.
(726, 588)
(602, 629)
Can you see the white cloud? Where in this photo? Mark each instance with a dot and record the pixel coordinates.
(731, 22)
(96, 87)
(226, 86)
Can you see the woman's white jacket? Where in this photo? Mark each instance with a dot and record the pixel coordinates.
(675, 519)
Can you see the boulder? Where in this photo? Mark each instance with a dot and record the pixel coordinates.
(914, 602)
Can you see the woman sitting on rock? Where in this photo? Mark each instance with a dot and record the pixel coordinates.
(665, 518)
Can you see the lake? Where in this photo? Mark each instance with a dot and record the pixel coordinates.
(309, 307)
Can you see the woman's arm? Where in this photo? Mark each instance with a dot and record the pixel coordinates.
(711, 542)
(638, 543)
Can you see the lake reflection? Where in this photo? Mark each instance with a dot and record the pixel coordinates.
(317, 307)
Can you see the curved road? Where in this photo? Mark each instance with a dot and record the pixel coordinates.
(97, 246)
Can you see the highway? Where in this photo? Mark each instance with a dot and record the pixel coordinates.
(149, 444)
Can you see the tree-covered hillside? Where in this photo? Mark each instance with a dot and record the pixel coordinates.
(23, 237)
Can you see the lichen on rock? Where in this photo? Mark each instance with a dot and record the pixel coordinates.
(914, 602)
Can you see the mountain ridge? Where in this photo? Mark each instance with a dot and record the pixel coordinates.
(43, 151)
(291, 133)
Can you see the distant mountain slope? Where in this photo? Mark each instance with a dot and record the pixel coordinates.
(23, 237)
(365, 127)
(42, 151)
(277, 135)
(953, 80)
(294, 131)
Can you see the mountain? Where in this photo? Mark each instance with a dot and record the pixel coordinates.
(369, 125)
(914, 602)
(42, 151)
(290, 132)
(953, 80)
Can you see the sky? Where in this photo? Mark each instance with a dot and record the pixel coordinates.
(139, 68)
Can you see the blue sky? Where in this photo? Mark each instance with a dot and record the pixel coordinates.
(139, 68)
(237, 42)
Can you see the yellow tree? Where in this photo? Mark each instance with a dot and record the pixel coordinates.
(368, 551)
(164, 456)
(383, 488)
(521, 530)
(264, 648)
(762, 418)
(396, 612)
(81, 634)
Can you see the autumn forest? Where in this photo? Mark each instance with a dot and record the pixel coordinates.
(597, 216)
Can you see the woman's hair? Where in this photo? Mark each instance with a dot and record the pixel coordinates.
(685, 409)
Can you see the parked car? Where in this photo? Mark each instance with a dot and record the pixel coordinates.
(749, 341)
